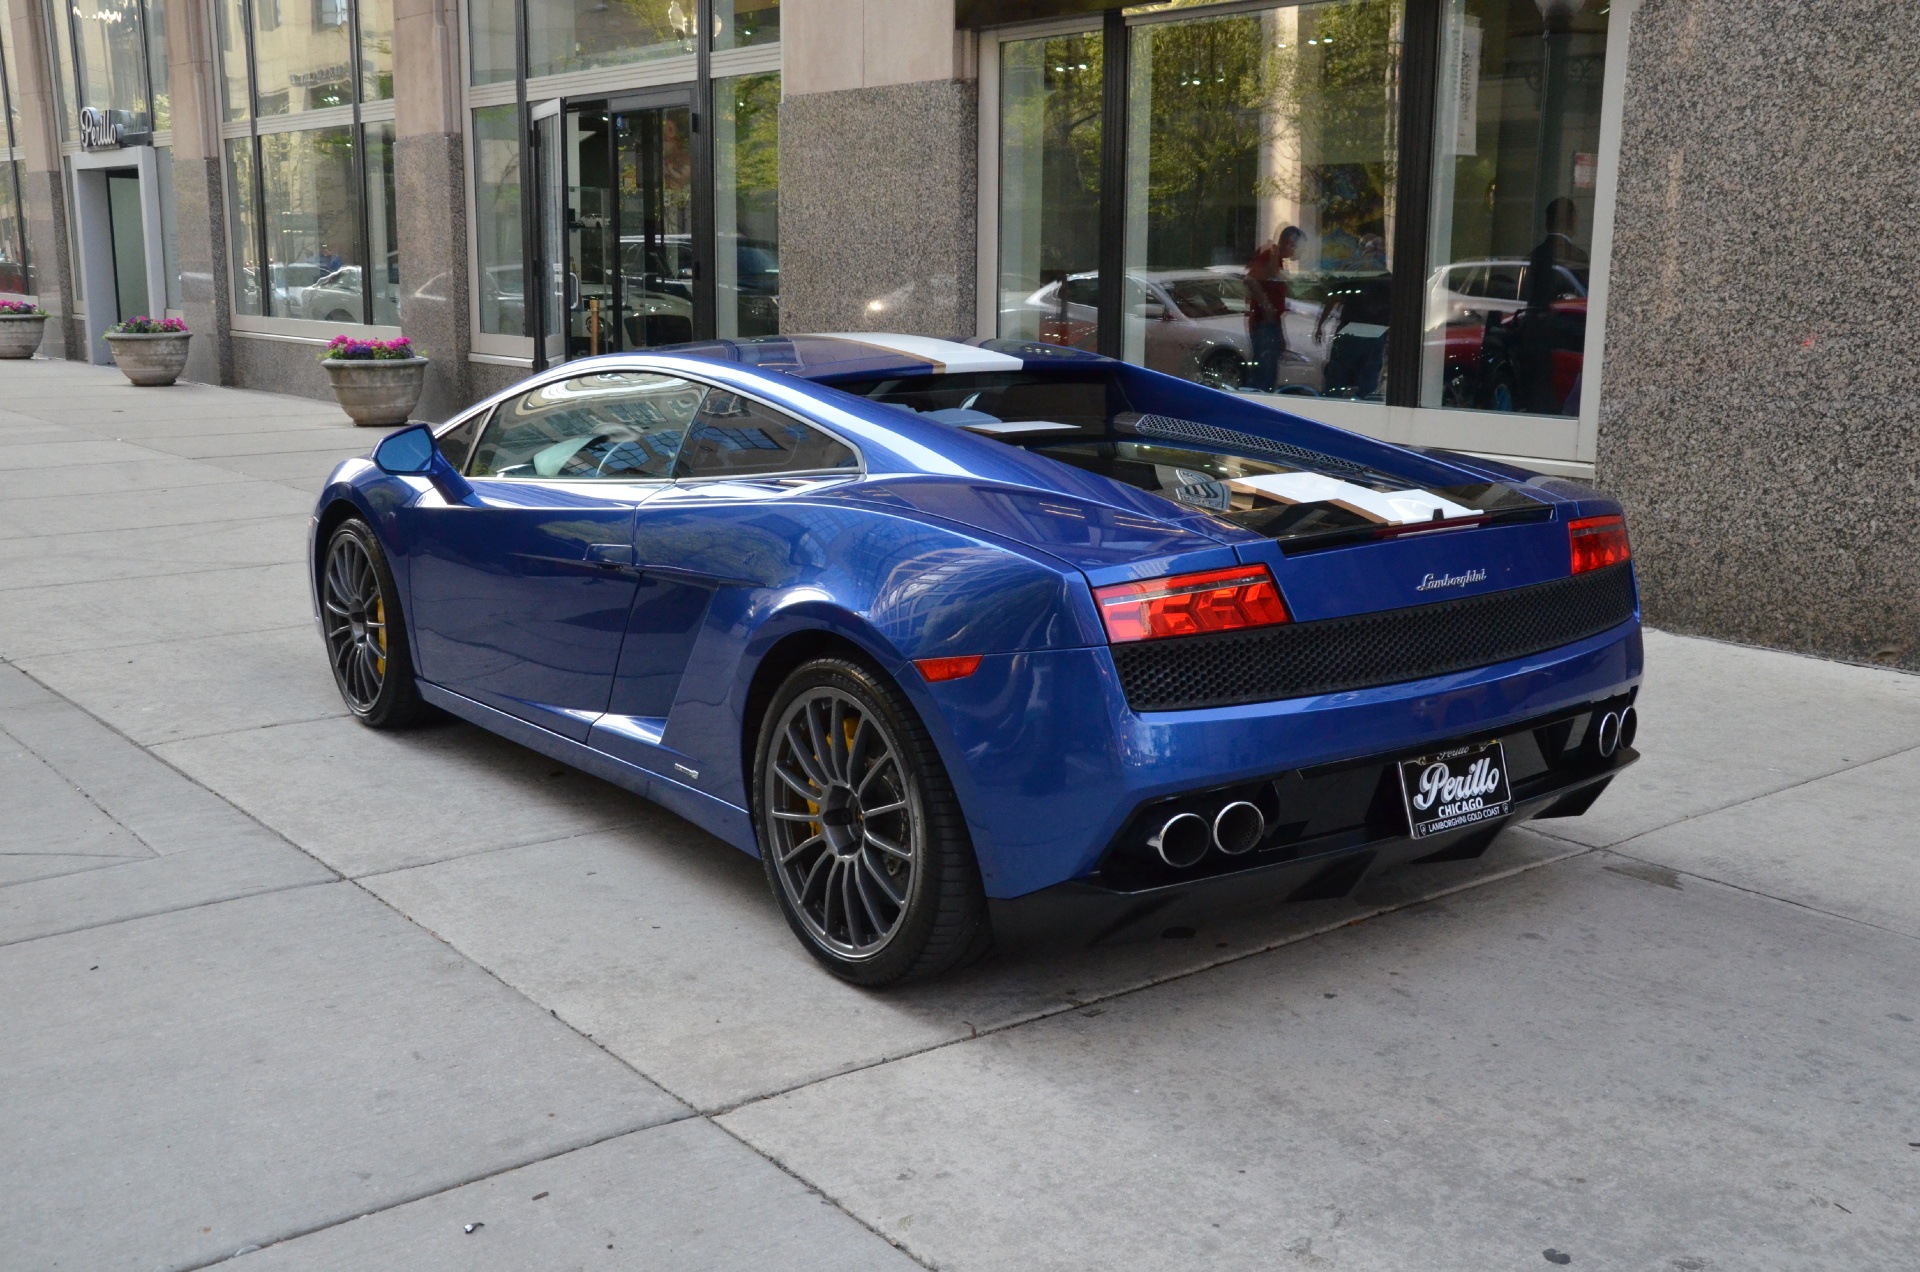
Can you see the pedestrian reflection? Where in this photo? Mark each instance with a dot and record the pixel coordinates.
(1548, 335)
(1267, 289)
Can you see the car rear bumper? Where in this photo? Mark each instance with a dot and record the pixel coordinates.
(1095, 911)
(1053, 768)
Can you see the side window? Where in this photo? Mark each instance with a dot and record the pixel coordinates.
(456, 444)
(737, 437)
(616, 426)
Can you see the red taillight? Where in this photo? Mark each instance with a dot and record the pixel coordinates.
(938, 669)
(1598, 542)
(1191, 604)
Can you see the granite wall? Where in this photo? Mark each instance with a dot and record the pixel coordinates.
(1760, 411)
(878, 208)
(275, 364)
(429, 173)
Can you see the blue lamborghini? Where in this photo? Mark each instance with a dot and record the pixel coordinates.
(972, 642)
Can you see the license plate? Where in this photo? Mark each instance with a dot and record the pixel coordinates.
(1455, 789)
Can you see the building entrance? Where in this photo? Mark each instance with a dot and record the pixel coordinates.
(635, 263)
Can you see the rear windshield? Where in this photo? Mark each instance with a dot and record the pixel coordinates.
(1084, 400)
(1290, 493)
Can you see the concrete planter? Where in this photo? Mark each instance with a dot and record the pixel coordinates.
(150, 360)
(377, 392)
(20, 334)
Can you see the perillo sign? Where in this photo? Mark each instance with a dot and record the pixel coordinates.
(103, 129)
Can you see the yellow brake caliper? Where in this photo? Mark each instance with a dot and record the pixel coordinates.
(380, 617)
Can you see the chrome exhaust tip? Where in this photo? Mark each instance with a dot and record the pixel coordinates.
(1237, 828)
(1608, 739)
(1182, 841)
(1629, 726)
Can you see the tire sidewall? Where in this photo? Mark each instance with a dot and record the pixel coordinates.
(899, 955)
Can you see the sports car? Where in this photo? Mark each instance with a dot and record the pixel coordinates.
(992, 641)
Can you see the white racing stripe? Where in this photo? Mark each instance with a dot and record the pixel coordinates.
(948, 356)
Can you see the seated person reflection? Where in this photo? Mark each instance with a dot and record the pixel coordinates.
(1358, 311)
(1548, 332)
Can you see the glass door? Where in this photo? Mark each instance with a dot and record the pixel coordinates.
(634, 259)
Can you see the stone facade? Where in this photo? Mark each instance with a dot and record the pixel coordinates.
(1761, 402)
(878, 209)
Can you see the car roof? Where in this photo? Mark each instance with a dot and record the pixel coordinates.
(851, 355)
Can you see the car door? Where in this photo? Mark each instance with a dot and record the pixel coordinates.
(710, 532)
(521, 594)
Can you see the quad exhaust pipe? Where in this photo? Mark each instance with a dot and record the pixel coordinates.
(1183, 839)
(1607, 740)
(1617, 729)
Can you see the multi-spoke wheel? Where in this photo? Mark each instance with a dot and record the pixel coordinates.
(366, 642)
(860, 831)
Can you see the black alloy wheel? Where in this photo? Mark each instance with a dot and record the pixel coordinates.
(861, 835)
(366, 639)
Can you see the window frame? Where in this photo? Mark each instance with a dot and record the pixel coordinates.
(1558, 444)
(356, 115)
(573, 370)
(698, 71)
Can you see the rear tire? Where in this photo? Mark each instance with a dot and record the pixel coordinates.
(861, 834)
(365, 632)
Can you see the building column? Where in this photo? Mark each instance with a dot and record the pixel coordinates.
(879, 146)
(200, 206)
(430, 172)
(42, 183)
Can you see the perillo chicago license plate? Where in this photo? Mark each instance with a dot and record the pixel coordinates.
(1455, 789)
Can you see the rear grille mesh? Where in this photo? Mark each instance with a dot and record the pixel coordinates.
(1392, 647)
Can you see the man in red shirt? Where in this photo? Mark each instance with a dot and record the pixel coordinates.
(1267, 305)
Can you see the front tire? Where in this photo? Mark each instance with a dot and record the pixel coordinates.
(365, 633)
(861, 834)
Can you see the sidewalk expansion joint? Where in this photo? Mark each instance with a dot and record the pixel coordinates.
(269, 1243)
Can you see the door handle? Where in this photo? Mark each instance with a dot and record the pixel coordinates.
(615, 557)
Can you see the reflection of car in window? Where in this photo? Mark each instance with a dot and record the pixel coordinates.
(1498, 355)
(1191, 323)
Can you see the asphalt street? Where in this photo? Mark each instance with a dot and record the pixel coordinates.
(280, 990)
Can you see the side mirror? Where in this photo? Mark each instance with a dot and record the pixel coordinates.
(406, 453)
(411, 452)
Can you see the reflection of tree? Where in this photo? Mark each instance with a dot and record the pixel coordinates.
(1055, 111)
(1225, 91)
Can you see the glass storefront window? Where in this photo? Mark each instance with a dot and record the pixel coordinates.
(169, 228)
(243, 226)
(578, 35)
(383, 225)
(1261, 169)
(1516, 146)
(303, 55)
(496, 205)
(376, 50)
(159, 68)
(14, 278)
(1050, 131)
(12, 70)
(113, 61)
(739, 24)
(311, 212)
(231, 20)
(56, 18)
(747, 205)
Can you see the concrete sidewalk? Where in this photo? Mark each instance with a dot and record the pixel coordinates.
(274, 983)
